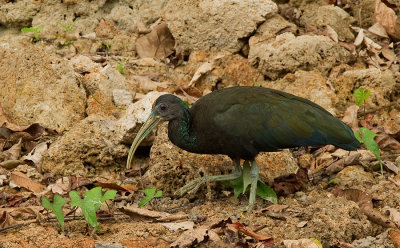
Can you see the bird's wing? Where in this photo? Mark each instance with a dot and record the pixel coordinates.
(278, 121)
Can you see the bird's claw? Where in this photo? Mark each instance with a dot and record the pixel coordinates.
(192, 186)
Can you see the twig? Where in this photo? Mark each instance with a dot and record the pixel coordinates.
(161, 238)
(394, 181)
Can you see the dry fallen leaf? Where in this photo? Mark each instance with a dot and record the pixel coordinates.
(159, 43)
(388, 19)
(203, 69)
(195, 236)
(364, 202)
(290, 184)
(36, 155)
(247, 231)
(331, 33)
(11, 164)
(391, 166)
(395, 236)
(394, 215)
(135, 211)
(379, 30)
(300, 243)
(5, 219)
(21, 180)
(360, 37)
(350, 116)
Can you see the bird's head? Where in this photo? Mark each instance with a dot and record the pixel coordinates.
(166, 108)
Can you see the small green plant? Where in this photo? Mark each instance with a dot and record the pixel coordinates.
(68, 28)
(33, 30)
(150, 194)
(107, 46)
(120, 66)
(367, 138)
(91, 203)
(361, 96)
(240, 186)
(56, 207)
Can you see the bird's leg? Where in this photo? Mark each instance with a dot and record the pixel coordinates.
(196, 183)
(253, 186)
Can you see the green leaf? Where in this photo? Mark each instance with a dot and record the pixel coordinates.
(246, 175)
(266, 192)
(150, 194)
(91, 203)
(357, 135)
(27, 30)
(33, 30)
(75, 197)
(120, 67)
(361, 95)
(263, 190)
(317, 242)
(56, 207)
(367, 137)
(236, 184)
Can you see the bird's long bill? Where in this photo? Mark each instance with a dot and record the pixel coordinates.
(151, 122)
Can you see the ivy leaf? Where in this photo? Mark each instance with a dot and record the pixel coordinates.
(361, 95)
(56, 207)
(150, 194)
(91, 203)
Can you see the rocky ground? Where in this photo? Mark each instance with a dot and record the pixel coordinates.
(77, 86)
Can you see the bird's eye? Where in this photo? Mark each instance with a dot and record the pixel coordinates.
(163, 106)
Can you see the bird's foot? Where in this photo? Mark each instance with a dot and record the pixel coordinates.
(253, 186)
(194, 185)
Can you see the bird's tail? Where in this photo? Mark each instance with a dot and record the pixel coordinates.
(351, 146)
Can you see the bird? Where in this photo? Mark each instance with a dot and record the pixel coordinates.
(241, 122)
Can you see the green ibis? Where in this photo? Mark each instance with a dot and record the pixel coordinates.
(241, 122)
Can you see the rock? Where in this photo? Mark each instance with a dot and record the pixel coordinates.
(227, 71)
(311, 85)
(90, 147)
(215, 25)
(103, 84)
(354, 177)
(38, 87)
(274, 25)
(53, 13)
(96, 145)
(122, 97)
(381, 83)
(288, 53)
(276, 164)
(106, 29)
(135, 114)
(335, 17)
(363, 11)
(18, 14)
(83, 64)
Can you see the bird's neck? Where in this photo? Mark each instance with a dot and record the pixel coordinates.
(179, 131)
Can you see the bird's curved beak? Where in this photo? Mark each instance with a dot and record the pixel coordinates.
(152, 121)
